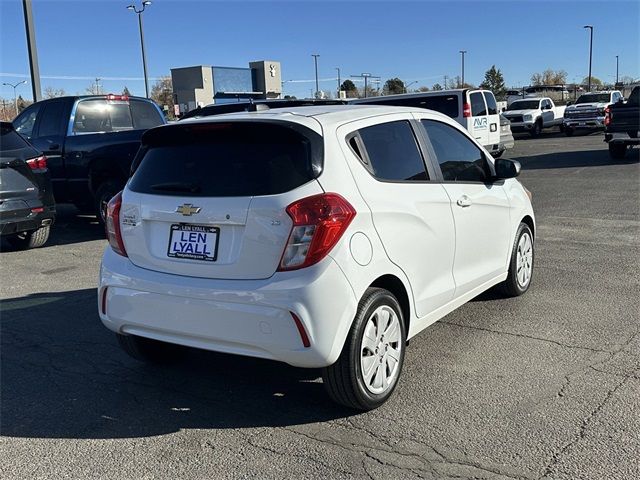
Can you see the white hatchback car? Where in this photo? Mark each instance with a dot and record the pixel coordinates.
(316, 236)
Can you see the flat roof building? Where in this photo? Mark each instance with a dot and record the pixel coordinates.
(202, 85)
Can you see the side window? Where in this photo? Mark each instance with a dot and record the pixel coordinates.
(492, 107)
(52, 120)
(145, 115)
(393, 152)
(26, 120)
(477, 104)
(459, 158)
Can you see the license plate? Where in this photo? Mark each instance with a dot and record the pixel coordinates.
(195, 242)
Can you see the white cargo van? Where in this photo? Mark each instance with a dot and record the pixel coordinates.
(474, 109)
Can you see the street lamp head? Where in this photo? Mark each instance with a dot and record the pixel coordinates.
(588, 26)
(146, 3)
(131, 7)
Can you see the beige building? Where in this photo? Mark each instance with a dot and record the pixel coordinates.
(202, 85)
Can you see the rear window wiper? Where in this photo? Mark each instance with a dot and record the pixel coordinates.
(177, 187)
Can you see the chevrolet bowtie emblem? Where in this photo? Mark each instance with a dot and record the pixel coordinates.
(188, 209)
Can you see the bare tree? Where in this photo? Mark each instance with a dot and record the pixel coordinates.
(549, 77)
(51, 92)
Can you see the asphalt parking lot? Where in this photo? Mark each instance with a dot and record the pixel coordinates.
(543, 386)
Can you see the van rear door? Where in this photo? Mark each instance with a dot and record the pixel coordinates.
(478, 124)
(494, 120)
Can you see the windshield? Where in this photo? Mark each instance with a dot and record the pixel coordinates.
(524, 105)
(594, 98)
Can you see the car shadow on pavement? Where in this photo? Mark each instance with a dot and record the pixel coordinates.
(575, 159)
(70, 227)
(64, 376)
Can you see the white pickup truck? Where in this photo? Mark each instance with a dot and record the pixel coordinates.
(589, 111)
(533, 114)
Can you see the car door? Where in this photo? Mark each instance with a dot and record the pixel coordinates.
(479, 127)
(480, 208)
(410, 212)
(494, 120)
(48, 137)
(548, 115)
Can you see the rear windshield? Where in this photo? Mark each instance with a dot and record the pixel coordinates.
(594, 98)
(13, 146)
(226, 159)
(101, 115)
(447, 104)
(524, 105)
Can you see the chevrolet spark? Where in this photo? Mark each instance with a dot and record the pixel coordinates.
(323, 237)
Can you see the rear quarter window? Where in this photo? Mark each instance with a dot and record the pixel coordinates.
(102, 115)
(226, 159)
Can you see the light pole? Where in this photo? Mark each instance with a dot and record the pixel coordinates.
(366, 78)
(15, 97)
(590, 27)
(315, 61)
(144, 56)
(338, 69)
(617, 69)
(462, 52)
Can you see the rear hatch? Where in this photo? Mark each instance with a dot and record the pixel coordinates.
(208, 199)
(19, 189)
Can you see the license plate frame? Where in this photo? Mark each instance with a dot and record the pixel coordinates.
(191, 228)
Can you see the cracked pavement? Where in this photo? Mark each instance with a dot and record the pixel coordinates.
(546, 386)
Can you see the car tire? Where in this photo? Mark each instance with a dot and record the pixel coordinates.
(537, 129)
(497, 154)
(347, 382)
(568, 131)
(520, 264)
(617, 150)
(33, 239)
(150, 351)
(561, 127)
(105, 192)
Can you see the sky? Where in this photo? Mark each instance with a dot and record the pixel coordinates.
(416, 41)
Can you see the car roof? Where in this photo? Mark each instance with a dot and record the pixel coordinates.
(313, 116)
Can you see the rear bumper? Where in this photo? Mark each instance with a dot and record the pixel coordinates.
(26, 221)
(243, 317)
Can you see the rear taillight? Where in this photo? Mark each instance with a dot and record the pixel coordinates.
(607, 116)
(112, 225)
(318, 223)
(466, 110)
(38, 163)
(123, 98)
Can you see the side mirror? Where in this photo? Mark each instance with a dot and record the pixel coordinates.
(506, 168)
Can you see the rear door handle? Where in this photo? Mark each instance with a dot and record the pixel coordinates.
(464, 201)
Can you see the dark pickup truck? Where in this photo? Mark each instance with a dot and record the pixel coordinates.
(89, 142)
(622, 125)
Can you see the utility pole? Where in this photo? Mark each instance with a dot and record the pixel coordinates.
(445, 81)
(97, 92)
(463, 52)
(145, 4)
(33, 51)
(338, 69)
(590, 27)
(617, 69)
(366, 76)
(315, 61)
(15, 97)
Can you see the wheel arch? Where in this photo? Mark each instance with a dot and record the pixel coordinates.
(527, 220)
(396, 286)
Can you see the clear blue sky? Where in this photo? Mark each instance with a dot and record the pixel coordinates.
(416, 41)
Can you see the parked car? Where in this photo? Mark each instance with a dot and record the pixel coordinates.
(622, 125)
(27, 208)
(316, 236)
(534, 114)
(475, 110)
(89, 142)
(588, 111)
(506, 137)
